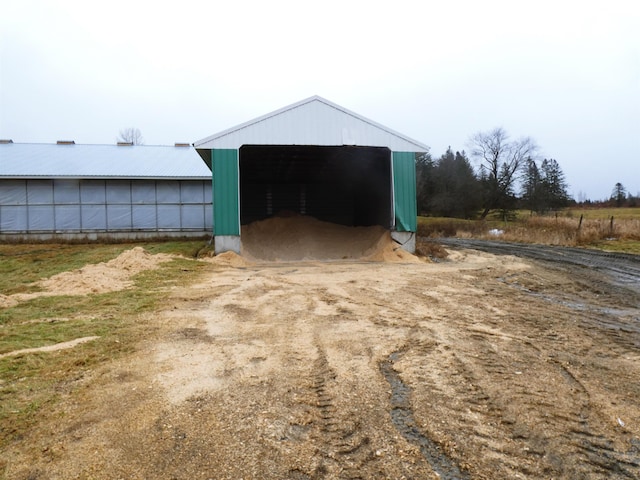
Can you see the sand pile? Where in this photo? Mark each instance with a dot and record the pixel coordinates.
(95, 278)
(228, 259)
(104, 277)
(306, 238)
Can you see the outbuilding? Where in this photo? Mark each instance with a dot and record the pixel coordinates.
(312, 158)
(67, 191)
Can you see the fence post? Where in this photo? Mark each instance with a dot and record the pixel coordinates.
(611, 227)
(580, 222)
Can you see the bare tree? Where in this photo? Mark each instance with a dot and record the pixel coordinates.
(131, 135)
(500, 163)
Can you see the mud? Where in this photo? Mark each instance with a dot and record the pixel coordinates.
(482, 366)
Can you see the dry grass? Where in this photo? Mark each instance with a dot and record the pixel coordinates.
(431, 250)
(596, 229)
(434, 227)
(570, 231)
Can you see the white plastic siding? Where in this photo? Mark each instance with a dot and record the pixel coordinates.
(64, 205)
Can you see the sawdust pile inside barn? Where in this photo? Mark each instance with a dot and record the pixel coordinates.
(304, 238)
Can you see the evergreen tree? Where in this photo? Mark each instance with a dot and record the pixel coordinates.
(468, 186)
(456, 190)
(425, 182)
(531, 186)
(544, 188)
(619, 194)
(554, 185)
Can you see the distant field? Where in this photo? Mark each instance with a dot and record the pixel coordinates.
(603, 213)
(596, 230)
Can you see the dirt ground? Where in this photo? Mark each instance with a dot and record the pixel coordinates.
(481, 366)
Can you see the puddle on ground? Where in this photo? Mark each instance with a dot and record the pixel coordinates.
(404, 421)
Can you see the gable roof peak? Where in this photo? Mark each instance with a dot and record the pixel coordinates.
(301, 124)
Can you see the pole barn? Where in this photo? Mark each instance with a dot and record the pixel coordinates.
(312, 158)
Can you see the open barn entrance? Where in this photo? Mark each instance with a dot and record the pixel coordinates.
(345, 185)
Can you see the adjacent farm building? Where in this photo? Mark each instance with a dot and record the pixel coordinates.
(69, 191)
(312, 158)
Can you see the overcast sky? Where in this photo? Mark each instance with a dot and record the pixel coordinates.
(566, 73)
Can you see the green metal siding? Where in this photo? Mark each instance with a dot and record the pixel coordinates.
(226, 194)
(404, 191)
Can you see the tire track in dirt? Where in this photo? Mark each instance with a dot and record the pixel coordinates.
(586, 451)
(403, 419)
(289, 363)
(344, 449)
(594, 453)
(504, 395)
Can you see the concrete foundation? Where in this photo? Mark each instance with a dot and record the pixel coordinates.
(81, 237)
(407, 240)
(227, 243)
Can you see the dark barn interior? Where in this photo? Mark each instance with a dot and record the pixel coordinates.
(343, 184)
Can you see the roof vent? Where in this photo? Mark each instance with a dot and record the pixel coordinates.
(182, 144)
(125, 144)
(66, 142)
(5, 141)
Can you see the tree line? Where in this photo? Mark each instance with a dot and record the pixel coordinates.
(509, 176)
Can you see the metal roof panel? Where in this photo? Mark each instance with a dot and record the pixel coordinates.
(29, 160)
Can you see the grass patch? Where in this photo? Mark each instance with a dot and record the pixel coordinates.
(29, 382)
(622, 246)
(23, 264)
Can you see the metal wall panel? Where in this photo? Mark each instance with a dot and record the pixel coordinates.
(226, 192)
(404, 191)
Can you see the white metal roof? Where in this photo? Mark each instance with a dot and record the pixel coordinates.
(313, 121)
(37, 160)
